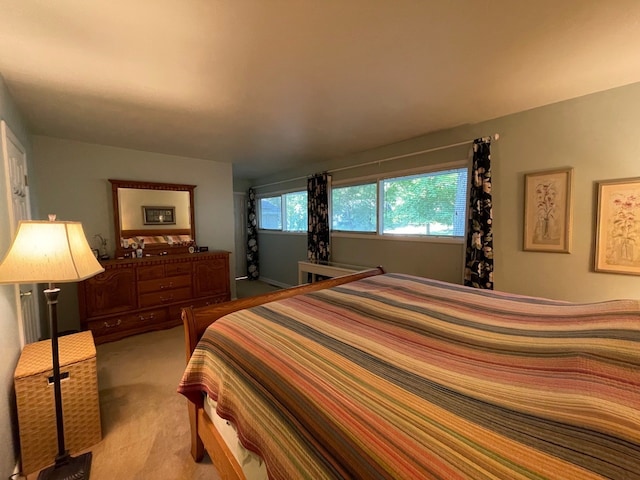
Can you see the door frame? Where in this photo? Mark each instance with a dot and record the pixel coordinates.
(23, 293)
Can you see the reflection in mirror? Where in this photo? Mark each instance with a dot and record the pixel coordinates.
(158, 215)
(135, 202)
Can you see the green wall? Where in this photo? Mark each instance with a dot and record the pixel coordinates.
(279, 256)
(595, 134)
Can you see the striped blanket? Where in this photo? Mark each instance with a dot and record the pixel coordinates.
(396, 376)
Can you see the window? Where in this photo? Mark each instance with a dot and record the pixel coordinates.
(354, 208)
(271, 213)
(295, 212)
(286, 212)
(426, 204)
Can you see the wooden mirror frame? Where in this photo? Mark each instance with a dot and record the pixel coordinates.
(151, 249)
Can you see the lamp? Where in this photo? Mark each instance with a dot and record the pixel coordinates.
(53, 252)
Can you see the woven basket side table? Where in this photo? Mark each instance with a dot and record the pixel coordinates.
(33, 380)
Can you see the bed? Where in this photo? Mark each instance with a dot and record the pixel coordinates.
(381, 375)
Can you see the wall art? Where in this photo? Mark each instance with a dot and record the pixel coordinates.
(547, 211)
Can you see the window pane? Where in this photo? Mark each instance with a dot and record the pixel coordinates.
(354, 208)
(295, 208)
(271, 213)
(426, 204)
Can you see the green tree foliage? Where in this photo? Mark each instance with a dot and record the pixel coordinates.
(420, 201)
(296, 211)
(354, 208)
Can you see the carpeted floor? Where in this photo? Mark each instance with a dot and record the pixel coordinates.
(249, 288)
(144, 421)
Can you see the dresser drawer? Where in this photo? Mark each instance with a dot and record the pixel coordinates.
(161, 284)
(164, 297)
(182, 268)
(122, 323)
(150, 272)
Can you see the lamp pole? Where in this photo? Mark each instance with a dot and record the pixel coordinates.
(52, 301)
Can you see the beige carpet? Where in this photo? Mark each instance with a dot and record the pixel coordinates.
(144, 421)
(249, 288)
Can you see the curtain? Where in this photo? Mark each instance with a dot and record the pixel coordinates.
(253, 265)
(318, 236)
(479, 254)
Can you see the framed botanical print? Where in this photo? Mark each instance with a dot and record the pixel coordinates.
(618, 227)
(547, 211)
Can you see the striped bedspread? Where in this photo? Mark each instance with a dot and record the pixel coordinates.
(397, 376)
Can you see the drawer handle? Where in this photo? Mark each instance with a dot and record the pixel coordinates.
(166, 286)
(150, 317)
(165, 300)
(111, 325)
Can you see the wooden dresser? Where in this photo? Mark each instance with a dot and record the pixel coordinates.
(138, 295)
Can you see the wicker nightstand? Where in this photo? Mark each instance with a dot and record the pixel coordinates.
(36, 409)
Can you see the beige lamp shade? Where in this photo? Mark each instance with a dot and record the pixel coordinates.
(49, 252)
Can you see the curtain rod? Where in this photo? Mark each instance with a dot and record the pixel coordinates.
(495, 137)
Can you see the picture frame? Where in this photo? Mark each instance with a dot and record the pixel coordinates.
(617, 227)
(548, 210)
(158, 215)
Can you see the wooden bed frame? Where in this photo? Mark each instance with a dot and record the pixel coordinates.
(203, 433)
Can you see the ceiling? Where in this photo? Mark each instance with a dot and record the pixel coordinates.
(270, 84)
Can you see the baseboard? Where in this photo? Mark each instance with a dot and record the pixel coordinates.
(275, 283)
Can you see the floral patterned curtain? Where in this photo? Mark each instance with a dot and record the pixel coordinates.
(318, 235)
(253, 264)
(479, 256)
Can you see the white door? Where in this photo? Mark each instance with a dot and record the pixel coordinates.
(240, 215)
(15, 167)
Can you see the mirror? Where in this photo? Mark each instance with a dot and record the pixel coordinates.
(158, 215)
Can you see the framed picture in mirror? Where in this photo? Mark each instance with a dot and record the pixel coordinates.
(159, 215)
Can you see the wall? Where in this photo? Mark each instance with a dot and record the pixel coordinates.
(9, 335)
(241, 185)
(279, 255)
(72, 181)
(594, 134)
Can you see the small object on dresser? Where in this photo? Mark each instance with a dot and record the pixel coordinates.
(203, 249)
(103, 247)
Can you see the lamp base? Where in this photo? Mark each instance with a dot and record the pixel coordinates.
(68, 468)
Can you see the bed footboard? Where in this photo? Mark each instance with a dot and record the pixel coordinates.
(195, 321)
